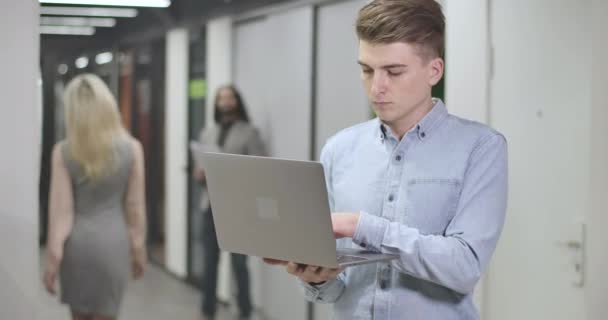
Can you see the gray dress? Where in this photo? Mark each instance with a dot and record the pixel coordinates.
(96, 264)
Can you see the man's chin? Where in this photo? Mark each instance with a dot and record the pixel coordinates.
(384, 117)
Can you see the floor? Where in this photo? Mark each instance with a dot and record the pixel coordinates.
(157, 296)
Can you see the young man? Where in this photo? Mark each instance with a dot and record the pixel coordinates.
(416, 181)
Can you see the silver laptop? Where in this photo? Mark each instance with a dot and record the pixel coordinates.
(275, 208)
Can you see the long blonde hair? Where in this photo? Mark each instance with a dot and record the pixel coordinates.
(93, 125)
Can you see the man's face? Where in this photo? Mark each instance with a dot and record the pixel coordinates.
(397, 80)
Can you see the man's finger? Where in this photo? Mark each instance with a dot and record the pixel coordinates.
(312, 271)
(329, 273)
(312, 274)
(293, 268)
(274, 262)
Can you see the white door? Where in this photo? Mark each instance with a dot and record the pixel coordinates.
(541, 101)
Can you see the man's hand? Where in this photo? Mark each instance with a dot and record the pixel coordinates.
(344, 224)
(275, 262)
(310, 274)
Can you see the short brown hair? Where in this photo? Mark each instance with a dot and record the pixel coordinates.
(418, 22)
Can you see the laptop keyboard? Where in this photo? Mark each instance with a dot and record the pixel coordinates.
(349, 258)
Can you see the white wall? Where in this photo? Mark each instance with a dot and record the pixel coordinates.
(19, 170)
(341, 100)
(596, 292)
(468, 59)
(467, 70)
(176, 156)
(273, 70)
(251, 56)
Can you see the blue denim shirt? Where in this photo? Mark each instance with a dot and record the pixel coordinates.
(437, 198)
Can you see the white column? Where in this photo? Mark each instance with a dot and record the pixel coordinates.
(20, 141)
(468, 69)
(176, 156)
(219, 72)
(219, 58)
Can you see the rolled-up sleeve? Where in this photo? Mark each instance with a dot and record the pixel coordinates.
(327, 292)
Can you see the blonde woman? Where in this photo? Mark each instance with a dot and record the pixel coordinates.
(97, 208)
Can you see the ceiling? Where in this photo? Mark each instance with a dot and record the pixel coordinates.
(150, 24)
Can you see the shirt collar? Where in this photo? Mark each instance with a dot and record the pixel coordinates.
(425, 127)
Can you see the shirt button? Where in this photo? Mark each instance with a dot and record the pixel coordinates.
(398, 158)
(422, 134)
(391, 198)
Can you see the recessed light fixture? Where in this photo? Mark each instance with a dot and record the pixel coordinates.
(104, 57)
(62, 69)
(78, 22)
(82, 62)
(89, 12)
(116, 3)
(67, 30)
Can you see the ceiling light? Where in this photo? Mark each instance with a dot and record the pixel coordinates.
(67, 30)
(118, 3)
(104, 57)
(82, 62)
(62, 69)
(79, 22)
(89, 12)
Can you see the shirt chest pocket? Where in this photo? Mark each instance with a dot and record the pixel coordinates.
(431, 204)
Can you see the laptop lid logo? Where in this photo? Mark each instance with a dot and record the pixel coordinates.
(268, 208)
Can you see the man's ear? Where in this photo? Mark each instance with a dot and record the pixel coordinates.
(435, 71)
